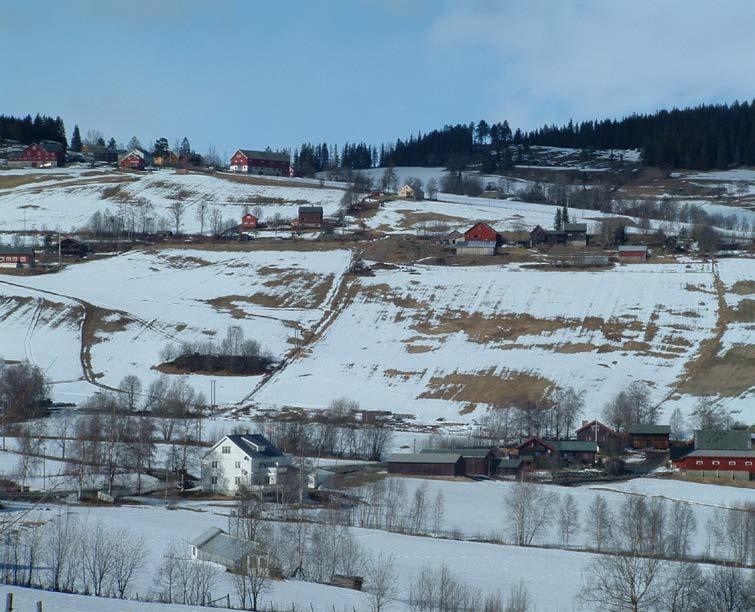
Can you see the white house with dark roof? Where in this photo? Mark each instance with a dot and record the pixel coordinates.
(243, 459)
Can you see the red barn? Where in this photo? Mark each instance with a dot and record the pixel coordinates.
(261, 162)
(16, 257)
(595, 431)
(248, 222)
(310, 216)
(133, 160)
(732, 464)
(633, 252)
(481, 232)
(43, 155)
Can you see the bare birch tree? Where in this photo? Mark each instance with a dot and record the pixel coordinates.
(568, 518)
(529, 510)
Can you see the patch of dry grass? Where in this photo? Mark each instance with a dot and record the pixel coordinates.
(489, 387)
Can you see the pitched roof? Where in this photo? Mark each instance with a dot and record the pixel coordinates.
(255, 445)
(575, 227)
(648, 429)
(447, 457)
(219, 544)
(266, 155)
(51, 146)
(575, 446)
(624, 248)
(206, 536)
(592, 423)
(10, 250)
(548, 443)
(472, 453)
(723, 440)
(310, 210)
(722, 453)
(509, 463)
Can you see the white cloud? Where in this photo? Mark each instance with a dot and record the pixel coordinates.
(549, 61)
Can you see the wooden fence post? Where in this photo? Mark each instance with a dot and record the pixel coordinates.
(39, 606)
(9, 602)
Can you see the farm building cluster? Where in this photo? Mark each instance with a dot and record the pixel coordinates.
(712, 454)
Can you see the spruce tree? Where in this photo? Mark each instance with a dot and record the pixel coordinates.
(565, 215)
(557, 221)
(76, 139)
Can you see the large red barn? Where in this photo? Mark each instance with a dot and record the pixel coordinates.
(261, 162)
(42, 155)
(481, 232)
(733, 464)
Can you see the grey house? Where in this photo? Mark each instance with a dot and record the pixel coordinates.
(216, 546)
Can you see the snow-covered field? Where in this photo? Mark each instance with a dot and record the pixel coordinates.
(444, 338)
(487, 522)
(147, 299)
(67, 202)
(488, 567)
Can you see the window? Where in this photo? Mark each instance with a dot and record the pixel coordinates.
(732, 463)
(226, 450)
(237, 480)
(214, 464)
(716, 463)
(748, 462)
(238, 464)
(214, 480)
(698, 462)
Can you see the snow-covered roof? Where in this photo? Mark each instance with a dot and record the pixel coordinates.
(219, 545)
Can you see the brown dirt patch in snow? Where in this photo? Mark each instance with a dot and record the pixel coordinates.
(413, 218)
(743, 287)
(11, 181)
(489, 387)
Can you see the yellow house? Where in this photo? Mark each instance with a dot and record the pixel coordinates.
(406, 192)
(167, 159)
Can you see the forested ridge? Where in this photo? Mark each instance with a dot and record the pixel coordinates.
(701, 137)
(27, 130)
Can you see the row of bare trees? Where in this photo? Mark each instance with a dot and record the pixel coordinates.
(68, 555)
(554, 417)
(653, 527)
(334, 434)
(636, 573)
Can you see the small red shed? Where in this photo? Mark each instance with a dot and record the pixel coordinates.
(481, 232)
(248, 222)
(133, 160)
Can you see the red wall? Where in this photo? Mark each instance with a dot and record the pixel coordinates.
(482, 232)
(36, 153)
(691, 463)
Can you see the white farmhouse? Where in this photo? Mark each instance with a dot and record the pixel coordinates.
(243, 459)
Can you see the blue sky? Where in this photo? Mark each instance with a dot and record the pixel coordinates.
(253, 74)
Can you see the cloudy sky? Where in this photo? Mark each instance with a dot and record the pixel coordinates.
(258, 74)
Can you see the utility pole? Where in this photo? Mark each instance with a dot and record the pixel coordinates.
(60, 251)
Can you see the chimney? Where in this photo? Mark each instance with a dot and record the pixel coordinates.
(584, 423)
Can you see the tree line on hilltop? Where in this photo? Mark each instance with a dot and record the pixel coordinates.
(701, 137)
(27, 130)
